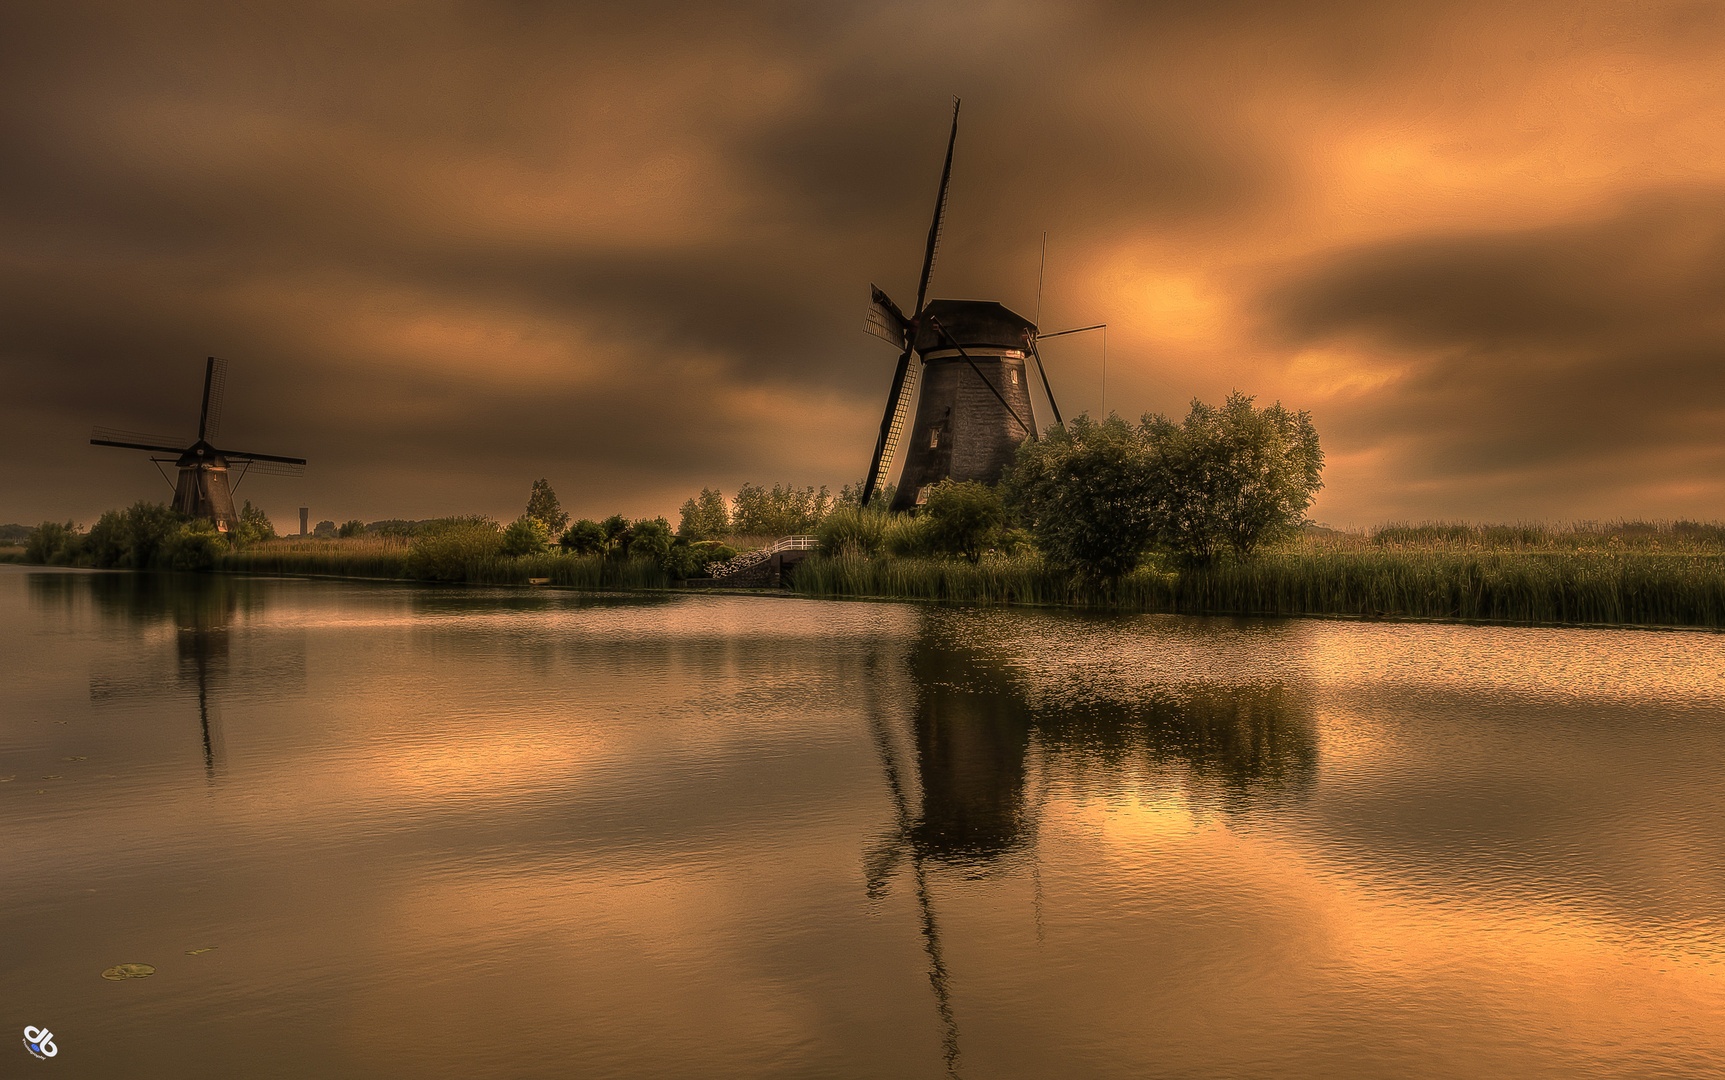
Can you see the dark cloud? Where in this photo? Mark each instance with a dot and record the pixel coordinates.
(1571, 363)
(1654, 272)
(451, 247)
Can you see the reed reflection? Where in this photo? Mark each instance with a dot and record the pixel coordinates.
(979, 717)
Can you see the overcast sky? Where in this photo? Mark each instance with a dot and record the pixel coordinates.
(450, 248)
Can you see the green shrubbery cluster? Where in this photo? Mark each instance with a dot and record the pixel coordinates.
(147, 536)
(444, 552)
(1099, 496)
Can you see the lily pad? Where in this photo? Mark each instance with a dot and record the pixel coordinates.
(194, 952)
(128, 971)
(74, 759)
(56, 776)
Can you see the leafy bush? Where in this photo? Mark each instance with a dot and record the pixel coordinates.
(963, 518)
(443, 552)
(350, 529)
(54, 544)
(850, 530)
(649, 539)
(908, 537)
(585, 537)
(1087, 492)
(195, 545)
(525, 536)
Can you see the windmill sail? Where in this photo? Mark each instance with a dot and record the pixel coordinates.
(900, 418)
(885, 321)
(897, 400)
(215, 389)
(1049, 390)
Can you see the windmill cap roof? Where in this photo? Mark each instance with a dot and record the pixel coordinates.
(200, 452)
(972, 322)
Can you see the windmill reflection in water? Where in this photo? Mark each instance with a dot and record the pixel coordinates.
(201, 611)
(980, 725)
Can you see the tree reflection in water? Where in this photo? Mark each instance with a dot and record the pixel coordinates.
(977, 717)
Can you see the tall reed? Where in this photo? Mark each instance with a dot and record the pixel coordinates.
(1638, 588)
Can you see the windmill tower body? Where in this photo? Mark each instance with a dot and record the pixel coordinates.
(203, 490)
(973, 410)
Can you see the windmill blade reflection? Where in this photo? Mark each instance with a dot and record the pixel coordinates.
(880, 862)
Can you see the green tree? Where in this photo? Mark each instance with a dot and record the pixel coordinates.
(649, 538)
(254, 525)
(525, 536)
(350, 529)
(1231, 478)
(704, 518)
(1086, 492)
(780, 512)
(963, 518)
(110, 541)
(543, 507)
(616, 528)
(148, 527)
(585, 537)
(851, 495)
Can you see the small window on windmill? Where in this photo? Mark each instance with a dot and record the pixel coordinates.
(933, 438)
(922, 495)
(1015, 376)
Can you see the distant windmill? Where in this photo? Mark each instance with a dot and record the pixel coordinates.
(203, 489)
(974, 409)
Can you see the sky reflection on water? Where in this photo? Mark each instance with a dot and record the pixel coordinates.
(450, 832)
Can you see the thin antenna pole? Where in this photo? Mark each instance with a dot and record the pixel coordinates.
(1104, 371)
(1039, 271)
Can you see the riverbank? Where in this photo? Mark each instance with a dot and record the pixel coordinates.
(1625, 575)
(386, 558)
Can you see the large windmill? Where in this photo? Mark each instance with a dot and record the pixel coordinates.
(974, 408)
(203, 489)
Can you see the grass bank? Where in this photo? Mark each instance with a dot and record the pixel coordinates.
(1624, 574)
(385, 557)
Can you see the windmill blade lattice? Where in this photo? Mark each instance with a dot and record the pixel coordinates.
(139, 440)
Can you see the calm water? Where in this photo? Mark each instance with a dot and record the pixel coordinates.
(441, 833)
